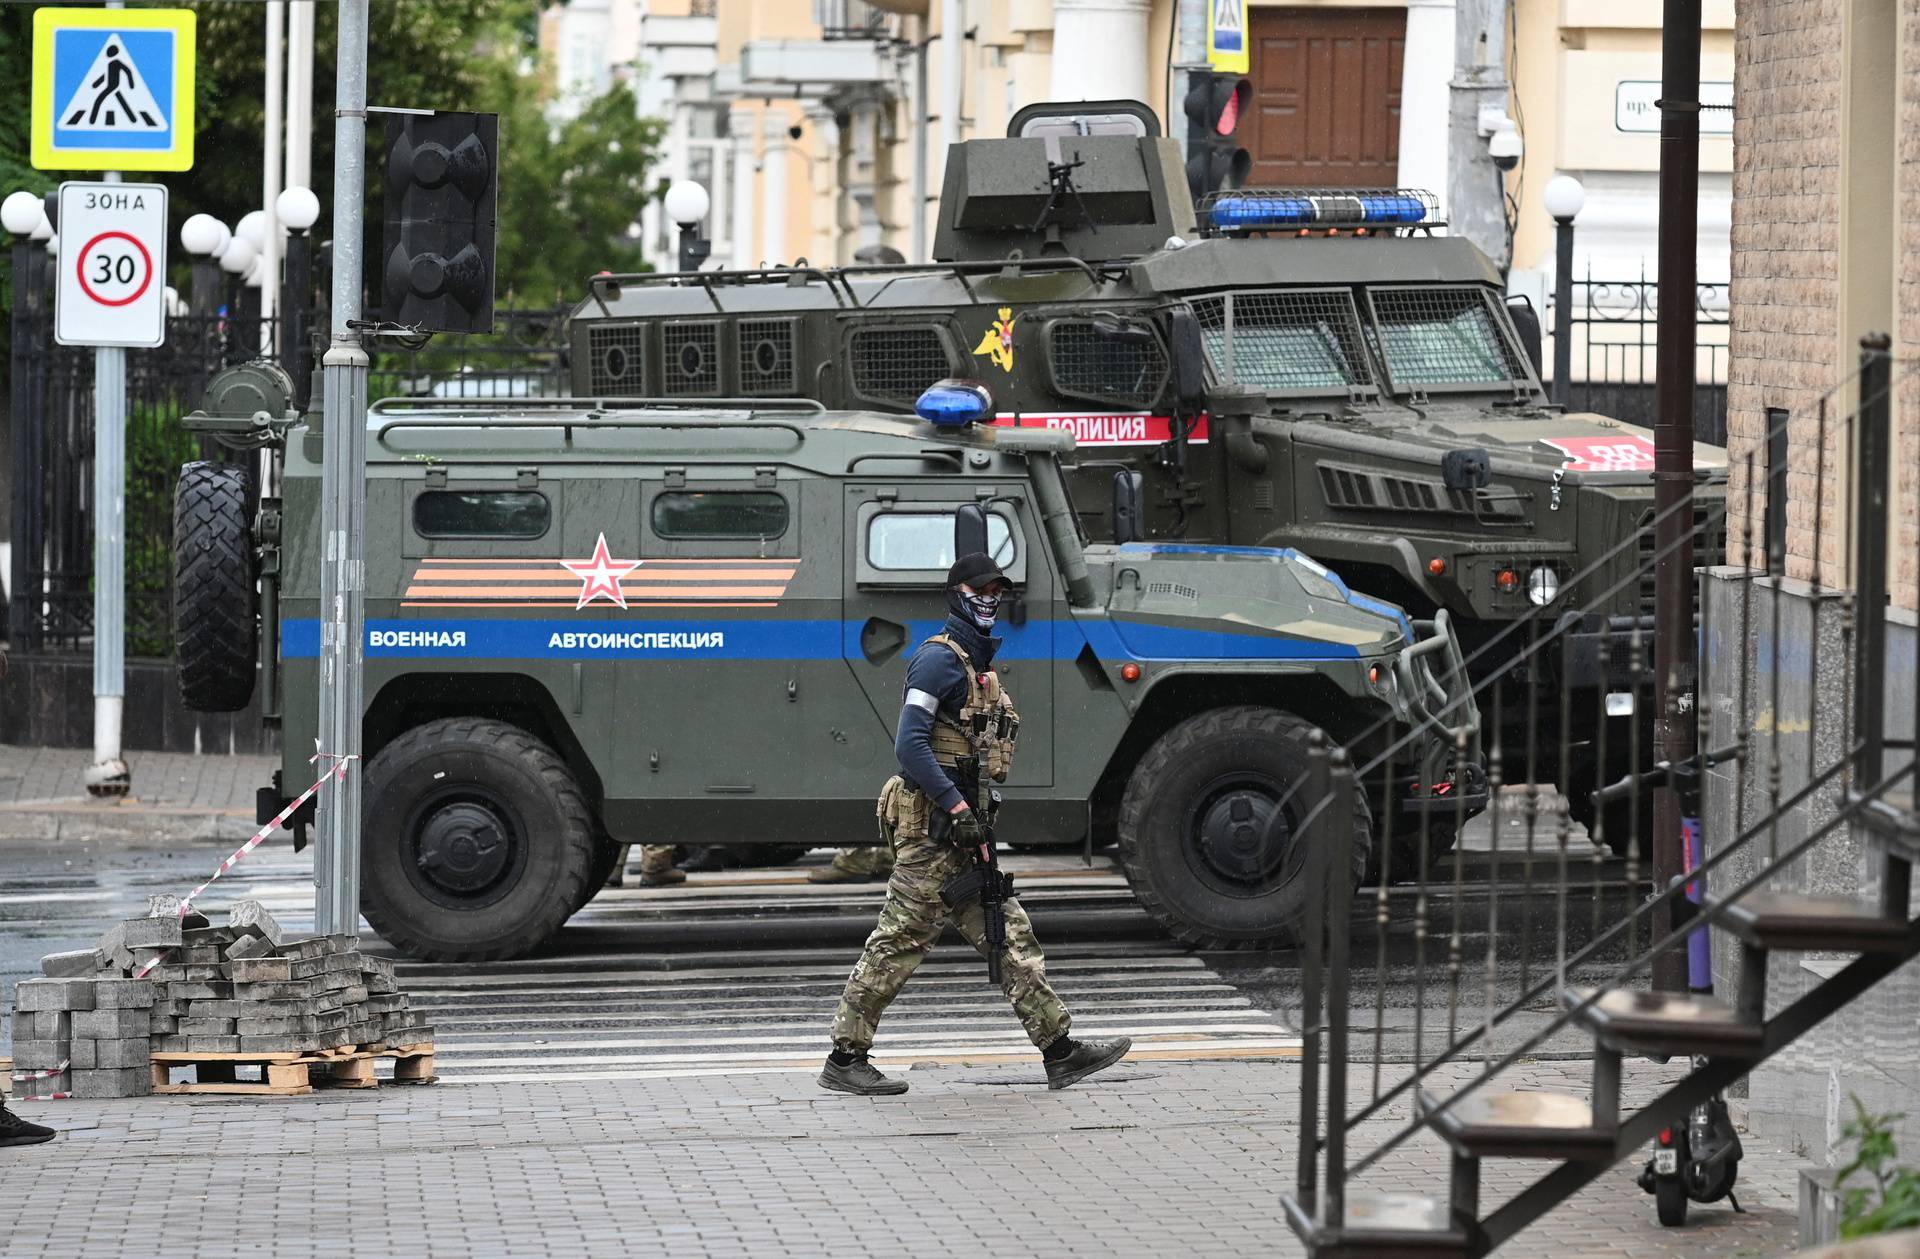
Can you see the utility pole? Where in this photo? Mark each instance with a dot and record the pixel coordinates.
(1476, 185)
(1190, 54)
(343, 501)
(108, 775)
(1676, 672)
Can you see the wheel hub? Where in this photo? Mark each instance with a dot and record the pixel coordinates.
(1244, 835)
(464, 848)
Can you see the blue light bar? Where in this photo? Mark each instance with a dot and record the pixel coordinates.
(1261, 211)
(954, 403)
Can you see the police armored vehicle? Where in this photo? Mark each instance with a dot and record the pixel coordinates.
(1369, 399)
(592, 623)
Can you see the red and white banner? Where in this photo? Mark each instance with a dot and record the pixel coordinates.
(1104, 428)
(334, 773)
(1628, 452)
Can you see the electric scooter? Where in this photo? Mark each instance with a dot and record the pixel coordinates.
(1701, 1161)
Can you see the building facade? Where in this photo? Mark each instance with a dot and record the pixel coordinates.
(1826, 210)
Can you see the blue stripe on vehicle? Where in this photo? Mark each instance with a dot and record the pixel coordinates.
(723, 638)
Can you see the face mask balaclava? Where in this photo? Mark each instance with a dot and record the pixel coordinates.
(976, 609)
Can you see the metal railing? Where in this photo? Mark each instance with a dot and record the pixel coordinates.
(526, 357)
(1609, 927)
(1614, 335)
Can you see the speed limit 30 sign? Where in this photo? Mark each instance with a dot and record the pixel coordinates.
(113, 265)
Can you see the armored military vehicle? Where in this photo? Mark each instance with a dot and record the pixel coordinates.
(1367, 396)
(592, 623)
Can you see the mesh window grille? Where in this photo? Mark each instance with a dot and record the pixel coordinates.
(1303, 340)
(1088, 364)
(766, 357)
(897, 364)
(1441, 335)
(616, 362)
(692, 358)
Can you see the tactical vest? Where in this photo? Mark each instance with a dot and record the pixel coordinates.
(986, 728)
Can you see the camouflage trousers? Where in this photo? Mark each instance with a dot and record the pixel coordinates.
(909, 925)
(872, 859)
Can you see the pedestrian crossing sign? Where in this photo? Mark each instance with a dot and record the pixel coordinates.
(1227, 51)
(113, 89)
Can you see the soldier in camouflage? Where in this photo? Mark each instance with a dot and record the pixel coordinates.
(955, 715)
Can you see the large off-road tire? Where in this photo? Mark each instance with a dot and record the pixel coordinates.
(1207, 828)
(477, 844)
(215, 629)
(606, 855)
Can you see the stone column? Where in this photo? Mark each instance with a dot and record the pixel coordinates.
(1424, 97)
(746, 252)
(775, 189)
(1100, 50)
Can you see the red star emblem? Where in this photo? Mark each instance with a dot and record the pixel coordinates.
(600, 576)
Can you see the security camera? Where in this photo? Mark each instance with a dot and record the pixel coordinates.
(1504, 147)
(794, 132)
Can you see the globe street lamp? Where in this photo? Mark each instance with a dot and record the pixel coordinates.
(204, 237)
(1564, 197)
(687, 204)
(298, 210)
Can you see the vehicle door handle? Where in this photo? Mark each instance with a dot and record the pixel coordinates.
(881, 639)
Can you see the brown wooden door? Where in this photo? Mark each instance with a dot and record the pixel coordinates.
(1326, 97)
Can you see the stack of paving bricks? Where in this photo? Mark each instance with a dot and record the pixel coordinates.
(238, 989)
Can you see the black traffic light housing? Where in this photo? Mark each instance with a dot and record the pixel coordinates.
(1215, 104)
(442, 197)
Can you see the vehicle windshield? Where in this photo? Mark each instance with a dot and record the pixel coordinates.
(1298, 341)
(1437, 335)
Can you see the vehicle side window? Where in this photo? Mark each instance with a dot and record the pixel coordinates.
(482, 514)
(918, 541)
(720, 514)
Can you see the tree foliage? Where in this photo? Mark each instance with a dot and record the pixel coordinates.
(567, 192)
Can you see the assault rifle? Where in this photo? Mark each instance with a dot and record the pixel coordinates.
(984, 880)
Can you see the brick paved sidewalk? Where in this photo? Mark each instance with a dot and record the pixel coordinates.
(1157, 1159)
(175, 796)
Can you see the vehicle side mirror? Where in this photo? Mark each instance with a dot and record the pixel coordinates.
(1189, 360)
(1466, 469)
(1129, 507)
(1526, 321)
(969, 530)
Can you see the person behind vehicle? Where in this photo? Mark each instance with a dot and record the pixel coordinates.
(956, 736)
(656, 867)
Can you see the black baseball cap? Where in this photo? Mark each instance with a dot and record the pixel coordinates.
(975, 570)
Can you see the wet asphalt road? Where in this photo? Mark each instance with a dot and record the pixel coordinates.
(742, 967)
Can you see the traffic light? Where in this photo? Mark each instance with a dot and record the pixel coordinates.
(1214, 105)
(442, 191)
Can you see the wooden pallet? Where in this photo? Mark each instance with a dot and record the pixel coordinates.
(293, 1074)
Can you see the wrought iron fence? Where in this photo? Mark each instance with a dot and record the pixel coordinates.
(526, 357)
(1560, 947)
(1614, 336)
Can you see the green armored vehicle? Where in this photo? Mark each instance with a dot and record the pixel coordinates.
(592, 623)
(1367, 397)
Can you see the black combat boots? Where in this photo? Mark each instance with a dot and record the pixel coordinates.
(1082, 1059)
(857, 1076)
(17, 1131)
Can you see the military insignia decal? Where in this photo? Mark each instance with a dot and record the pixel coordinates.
(997, 342)
(600, 576)
(599, 579)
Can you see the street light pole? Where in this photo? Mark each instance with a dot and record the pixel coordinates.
(20, 215)
(687, 204)
(1564, 196)
(343, 501)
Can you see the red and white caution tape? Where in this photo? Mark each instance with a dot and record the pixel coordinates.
(43, 1075)
(335, 773)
